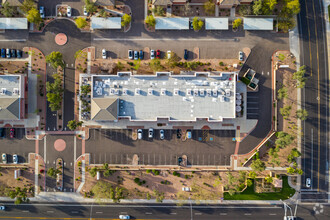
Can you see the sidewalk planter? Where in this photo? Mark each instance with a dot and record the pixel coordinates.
(250, 80)
(59, 175)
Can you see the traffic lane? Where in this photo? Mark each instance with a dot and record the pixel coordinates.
(117, 147)
(18, 145)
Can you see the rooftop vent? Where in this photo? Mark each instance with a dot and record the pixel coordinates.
(188, 91)
(125, 91)
(137, 91)
(176, 91)
(150, 91)
(163, 91)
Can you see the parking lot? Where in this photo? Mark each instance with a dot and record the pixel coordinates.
(18, 145)
(206, 147)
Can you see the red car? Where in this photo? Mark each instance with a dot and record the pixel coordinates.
(12, 133)
(158, 54)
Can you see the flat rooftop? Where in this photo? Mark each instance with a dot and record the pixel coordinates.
(177, 97)
(10, 86)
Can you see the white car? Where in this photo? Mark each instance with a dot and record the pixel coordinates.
(4, 158)
(85, 11)
(2, 208)
(240, 56)
(15, 159)
(169, 54)
(152, 54)
(161, 134)
(42, 12)
(151, 133)
(130, 54)
(68, 11)
(124, 217)
(139, 132)
(308, 182)
(186, 189)
(104, 54)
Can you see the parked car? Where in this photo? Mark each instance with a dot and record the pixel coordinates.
(240, 56)
(158, 54)
(191, 26)
(19, 54)
(169, 54)
(186, 189)
(13, 53)
(12, 133)
(178, 133)
(151, 133)
(124, 217)
(42, 12)
(130, 54)
(104, 54)
(3, 53)
(2, 133)
(139, 132)
(68, 11)
(8, 53)
(161, 134)
(188, 134)
(152, 54)
(179, 161)
(136, 55)
(141, 55)
(15, 159)
(2, 208)
(4, 158)
(308, 182)
(85, 11)
(185, 55)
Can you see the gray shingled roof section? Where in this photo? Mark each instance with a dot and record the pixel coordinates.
(105, 2)
(162, 2)
(104, 109)
(229, 2)
(9, 108)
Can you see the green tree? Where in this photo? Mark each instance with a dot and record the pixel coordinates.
(7, 10)
(103, 13)
(295, 153)
(125, 20)
(252, 175)
(299, 171)
(285, 111)
(80, 54)
(209, 7)
(293, 6)
(283, 139)
(249, 182)
(300, 77)
(81, 22)
(302, 114)
(268, 6)
(150, 21)
(52, 172)
(258, 165)
(282, 93)
(33, 16)
(290, 170)
(105, 190)
(257, 7)
(55, 92)
(197, 23)
(237, 23)
(269, 179)
(286, 23)
(27, 5)
(55, 59)
(158, 11)
(85, 89)
(90, 7)
(172, 61)
(19, 194)
(73, 124)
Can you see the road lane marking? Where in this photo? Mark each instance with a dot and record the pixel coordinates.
(223, 213)
(173, 213)
(198, 213)
(5, 40)
(148, 213)
(161, 39)
(50, 211)
(272, 213)
(98, 212)
(247, 213)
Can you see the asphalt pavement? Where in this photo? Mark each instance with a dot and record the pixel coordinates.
(160, 211)
(315, 99)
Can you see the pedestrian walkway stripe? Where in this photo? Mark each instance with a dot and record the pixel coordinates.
(6, 40)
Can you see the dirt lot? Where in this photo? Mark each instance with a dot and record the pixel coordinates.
(14, 67)
(203, 185)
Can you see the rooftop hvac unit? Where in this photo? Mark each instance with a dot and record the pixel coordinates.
(176, 91)
(112, 91)
(215, 92)
(16, 91)
(195, 92)
(208, 91)
(125, 91)
(3, 91)
(188, 91)
(150, 91)
(227, 92)
(137, 91)
(163, 92)
(202, 92)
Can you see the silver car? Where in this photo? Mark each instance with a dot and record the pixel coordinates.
(161, 134)
(240, 56)
(4, 158)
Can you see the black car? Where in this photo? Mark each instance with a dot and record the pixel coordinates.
(2, 133)
(185, 56)
(141, 55)
(19, 54)
(179, 161)
(13, 53)
(3, 53)
(178, 133)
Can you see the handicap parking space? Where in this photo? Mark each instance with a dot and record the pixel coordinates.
(18, 145)
(116, 146)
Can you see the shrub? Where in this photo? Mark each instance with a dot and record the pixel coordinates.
(136, 180)
(148, 171)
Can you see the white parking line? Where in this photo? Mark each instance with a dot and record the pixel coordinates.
(173, 213)
(26, 211)
(98, 212)
(50, 211)
(198, 213)
(272, 213)
(5, 40)
(148, 213)
(247, 214)
(223, 213)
